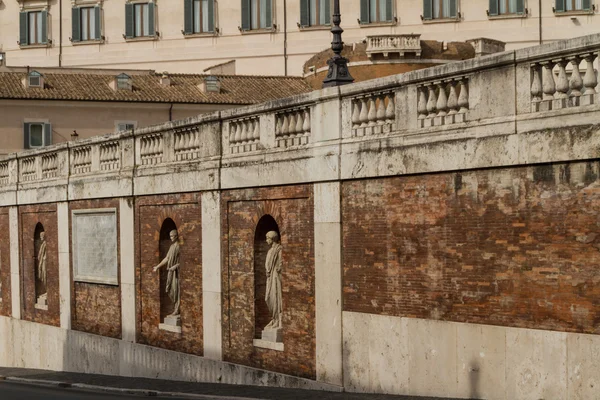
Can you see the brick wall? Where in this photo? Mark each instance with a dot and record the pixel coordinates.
(6, 304)
(29, 218)
(96, 308)
(513, 247)
(292, 209)
(153, 303)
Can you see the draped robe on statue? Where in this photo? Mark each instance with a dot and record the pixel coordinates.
(273, 295)
(173, 276)
(42, 263)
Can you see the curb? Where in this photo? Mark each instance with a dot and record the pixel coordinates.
(142, 392)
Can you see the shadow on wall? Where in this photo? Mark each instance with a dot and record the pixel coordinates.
(474, 380)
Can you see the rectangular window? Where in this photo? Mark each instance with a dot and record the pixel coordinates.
(36, 135)
(201, 16)
(320, 13)
(88, 23)
(142, 20)
(376, 11)
(506, 7)
(125, 126)
(440, 9)
(35, 27)
(572, 5)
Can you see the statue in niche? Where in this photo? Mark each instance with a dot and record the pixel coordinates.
(273, 297)
(172, 287)
(42, 299)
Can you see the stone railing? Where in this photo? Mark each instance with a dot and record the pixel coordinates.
(503, 90)
(394, 44)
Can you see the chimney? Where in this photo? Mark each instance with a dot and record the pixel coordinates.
(211, 84)
(165, 80)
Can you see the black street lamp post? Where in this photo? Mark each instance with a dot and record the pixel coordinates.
(338, 73)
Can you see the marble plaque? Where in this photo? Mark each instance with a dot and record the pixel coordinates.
(95, 246)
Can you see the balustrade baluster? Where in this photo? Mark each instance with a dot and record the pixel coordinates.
(372, 115)
(238, 132)
(422, 103)
(390, 111)
(364, 112)
(442, 101)
(306, 126)
(589, 80)
(381, 109)
(256, 135)
(463, 97)
(299, 122)
(355, 114)
(292, 124)
(562, 82)
(536, 83)
(548, 84)
(431, 102)
(452, 99)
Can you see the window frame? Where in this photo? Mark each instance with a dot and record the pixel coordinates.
(132, 9)
(119, 123)
(493, 12)
(46, 133)
(42, 125)
(90, 35)
(562, 11)
(441, 19)
(40, 27)
(247, 21)
(362, 21)
(305, 20)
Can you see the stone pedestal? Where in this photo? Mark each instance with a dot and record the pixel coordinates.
(272, 335)
(42, 302)
(172, 323)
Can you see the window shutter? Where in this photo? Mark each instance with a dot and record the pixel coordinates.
(188, 17)
(97, 17)
(586, 5)
(129, 21)
(151, 16)
(559, 6)
(427, 10)
(23, 30)
(44, 27)
(47, 134)
(493, 7)
(246, 15)
(75, 24)
(304, 13)
(327, 12)
(389, 10)
(269, 12)
(25, 135)
(211, 15)
(452, 8)
(364, 11)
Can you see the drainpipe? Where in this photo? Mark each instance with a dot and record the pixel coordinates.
(540, 19)
(60, 23)
(285, 55)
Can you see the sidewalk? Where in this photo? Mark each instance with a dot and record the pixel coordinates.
(154, 387)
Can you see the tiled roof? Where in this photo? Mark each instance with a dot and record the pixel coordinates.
(184, 88)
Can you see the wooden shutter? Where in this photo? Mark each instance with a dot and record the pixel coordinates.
(427, 10)
(586, 5)
(97, 17)
(246, 17)
(559, 6)
(211, 15)
(364, 12)
(75, 24)
(493, 8)
(327, 12)
(269, 14)
(389, 11)
(129, 21)
(452, 8)
(26, 135)
(44, 27)
(188, 17)
(151, 15)
(304, 12)
(47, 134)
(23, 29)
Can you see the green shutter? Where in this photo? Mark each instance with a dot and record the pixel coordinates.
(427, 10)
(211, 15)
(304, 12)
(44, 27)
(129, 21)
(75, 24)
(389, 10)
(586, 5)
(452, 8)
(246, 17)
(327, 12)
(26, 135)
(151, 15)
(364, 12)
(188, 17)
(493, 8)
(47, 134)
(559, 6)
(269, 12)
(23, 29)
(97, 17)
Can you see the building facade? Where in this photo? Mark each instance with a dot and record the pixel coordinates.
(263, 36)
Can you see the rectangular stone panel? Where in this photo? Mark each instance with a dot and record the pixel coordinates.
(95, 246)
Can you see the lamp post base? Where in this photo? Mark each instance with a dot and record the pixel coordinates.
(338, 73)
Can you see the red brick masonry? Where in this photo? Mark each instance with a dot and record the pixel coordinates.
(6, 305)
(292, 209)
(512, 247)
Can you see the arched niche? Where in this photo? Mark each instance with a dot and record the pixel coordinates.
(40, 281)
(166, 305)
(261, 312)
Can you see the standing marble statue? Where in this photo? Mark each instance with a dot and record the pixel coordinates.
(172, 263)
(273, 293)
(42, 259)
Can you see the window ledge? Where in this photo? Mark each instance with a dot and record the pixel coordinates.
(507, 16)
(572, 13)
(87, 42)
(200, 34)
(441, 20)
(314, 28)
(35, 46)
(374, 24)
(258, 31)
(141, 39)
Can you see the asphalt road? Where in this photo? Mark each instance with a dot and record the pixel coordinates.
(18, 391)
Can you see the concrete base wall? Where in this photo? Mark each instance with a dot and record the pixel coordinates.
(433, 358)
(30, 345)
